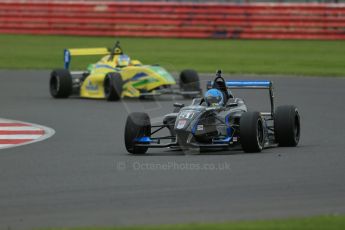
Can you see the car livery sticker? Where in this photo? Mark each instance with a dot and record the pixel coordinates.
(91, 87)
(181, 124)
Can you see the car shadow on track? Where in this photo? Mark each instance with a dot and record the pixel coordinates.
(193, 153)
(279, 151)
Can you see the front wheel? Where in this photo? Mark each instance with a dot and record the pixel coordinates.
(252, 134)
(287, 127)
(138, 125)
(113, 86)
(60, 84)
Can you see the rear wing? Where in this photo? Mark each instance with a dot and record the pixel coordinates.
(261, 84)
(248, 84)
(68, 53)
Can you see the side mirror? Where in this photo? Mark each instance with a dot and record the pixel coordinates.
(232, 105)
(178, 105)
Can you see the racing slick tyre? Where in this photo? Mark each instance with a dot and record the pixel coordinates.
(137, 125)
(60, 83)
(252, 134)
(189, 81)
(287, 128)
(113, 86)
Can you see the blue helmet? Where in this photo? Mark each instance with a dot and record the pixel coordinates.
(214, 97)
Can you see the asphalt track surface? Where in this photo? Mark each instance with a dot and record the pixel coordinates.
(83, 176)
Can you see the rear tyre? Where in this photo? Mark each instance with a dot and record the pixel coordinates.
(113, 86)
(189, 81)
(287, 127)
(137, 125)
(252, 134)
(60, 83)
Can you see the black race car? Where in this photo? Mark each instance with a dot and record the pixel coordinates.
(218, 120)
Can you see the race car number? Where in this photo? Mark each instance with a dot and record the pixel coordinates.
(186, 114)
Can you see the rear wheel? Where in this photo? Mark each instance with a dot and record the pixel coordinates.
(60, 83)
(137, 125)
(113, 86)
(287, 126)
(252, 134)
(189, 81)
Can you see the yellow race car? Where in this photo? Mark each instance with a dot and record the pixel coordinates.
(116, 76)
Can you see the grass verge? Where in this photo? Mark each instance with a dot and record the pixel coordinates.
(311, 223)
(321, 58)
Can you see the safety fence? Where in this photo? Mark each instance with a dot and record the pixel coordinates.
(172, 19)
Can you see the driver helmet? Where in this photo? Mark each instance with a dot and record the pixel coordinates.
(214, 97)
(123, 60)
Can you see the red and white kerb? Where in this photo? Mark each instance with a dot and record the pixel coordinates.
(15, 133)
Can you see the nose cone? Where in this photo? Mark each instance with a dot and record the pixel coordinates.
(186, 118)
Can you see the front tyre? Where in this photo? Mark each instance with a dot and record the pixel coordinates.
(252, 134)
(137, 125)
(113, 86)
(287, 127)
(189, 81)
(60, 84)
